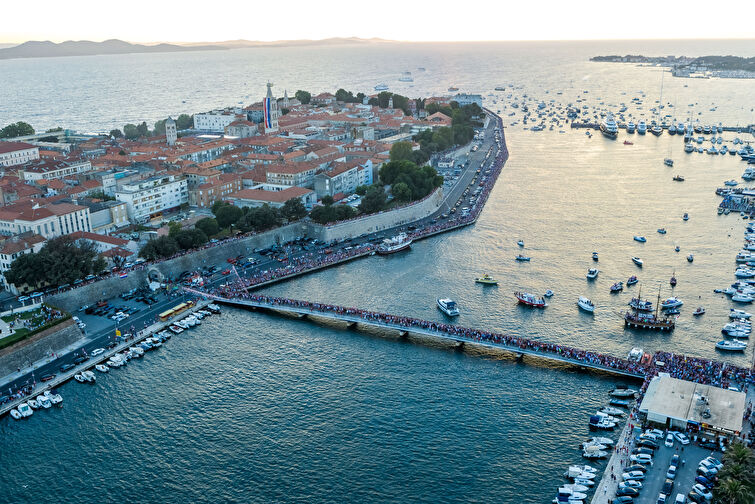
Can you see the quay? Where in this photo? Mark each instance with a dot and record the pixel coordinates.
(593, 125)
(448, 332)
(62, 378)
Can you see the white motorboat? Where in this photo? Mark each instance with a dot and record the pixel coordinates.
(548, 293)
(592, 452)
(744, 273)
(592, 273)
(602, 440)
(741, 297)
(731, 345)
(610, 410)
(25, 410)
(79, 378)
(448, 306)
(585, 468)
(609, 128)
(88, 376)
(606, 416)
(33, 403)
(55, 399)
(102, 368)
(640, 239)
(739, 314)
(576, 488)
(175, 329)
(15, 414)
(622, 392)
(671, 302)
(576, 472)
(43, 401)
(637, 261)
(570, 494)
(642, 127)
(585, 304)
(599, 422)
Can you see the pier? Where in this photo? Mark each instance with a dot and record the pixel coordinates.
(594, 125)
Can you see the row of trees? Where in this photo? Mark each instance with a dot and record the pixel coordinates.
(17, 129)
(134, 131)
(464, 120)
(178, 239)
(60, 261)
(736, 480)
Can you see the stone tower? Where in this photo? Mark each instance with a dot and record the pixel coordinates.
(390, 102)
(270, 109)
(285, 98)
(170, 131)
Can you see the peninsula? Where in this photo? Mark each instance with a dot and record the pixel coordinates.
(684, 66)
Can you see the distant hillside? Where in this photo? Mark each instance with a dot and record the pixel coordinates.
(235, 44)
(47, 49)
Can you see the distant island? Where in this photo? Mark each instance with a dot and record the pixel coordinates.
(684, 66)
(47, 49)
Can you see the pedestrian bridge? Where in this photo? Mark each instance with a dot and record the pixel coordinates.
(449, 332)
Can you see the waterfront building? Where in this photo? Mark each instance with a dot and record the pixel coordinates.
(14, 247)
(681, 404)
(214, 121)
(50, 221)
(53, 169)
(170, 132)
(17, 153)
(148, 198)
(467, 99)
(277, 197)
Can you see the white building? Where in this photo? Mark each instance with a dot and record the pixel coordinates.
(150, 197)
(258, 196)
(49, 169)
(15, 247)
(215, 120)
(16, 153)
(49, 221)
(468, 99)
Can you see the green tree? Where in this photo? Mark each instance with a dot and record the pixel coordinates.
(260, 218)
(161, 247)
(60, 261)
(130, 131)
(374, 200)
(293, 209)
(227, 215)
(303, 96)
(361, 190)
(401, 192)
(159, 128)
(54, 130)
(174, 228)
(16, 130)
(184, 121)
(217, 206)
(116, 133)
(331, 213)
(208, 225)
(190, 238)
(401, 151)
(100, 194)
(420, 181)
(26, 269)
(143, 129)
(327, 200)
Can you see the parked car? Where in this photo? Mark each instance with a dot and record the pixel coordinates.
(704, 481)
(97, 351)
(714, 461)
(636, 467)
(623, 499)
(668, 487)
(669, 440)
(80, 359)
(681, 437)
(67, 367)
(630, 492)
(642, 458)
(695, 497)
(661, 499)
(703, 490)
(643, 450)
(630, 484)
(47, 377)
(633, 475)
(671, 474)
(674, 459)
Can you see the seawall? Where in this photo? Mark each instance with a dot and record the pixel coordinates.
(38, 346)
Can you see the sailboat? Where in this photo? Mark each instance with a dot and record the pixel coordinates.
(644, 320)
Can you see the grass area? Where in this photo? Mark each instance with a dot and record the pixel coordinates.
(34, 317)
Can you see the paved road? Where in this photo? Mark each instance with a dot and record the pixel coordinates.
(101, 331)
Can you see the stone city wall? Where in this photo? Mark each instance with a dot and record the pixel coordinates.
(39, 346)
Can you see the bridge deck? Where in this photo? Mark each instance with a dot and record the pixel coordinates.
(245, 303)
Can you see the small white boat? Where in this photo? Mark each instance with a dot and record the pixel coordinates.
(594, 453)
(55, 399)
(731, 345)
(520, 243)
(640, 239)
(548, 293)
(602, 440)
(88, 376)
(592, 273)
(25, 410)
(102, 368)
(79, 378)
(15, 414)
(637, 261)
(739, 314)
(741, 297)
(448, 306)
(622, 392)
(43, 401)
(672, 302)
(585, 304)
(610, 410)
(33, 403)
(576, 488)
(576, 471)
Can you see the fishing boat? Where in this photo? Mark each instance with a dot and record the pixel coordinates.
(617, 287)
(585, 304)
(486, 280)
(632, 280)
(448, 307)
(594, 256)
(637, 261)
(672, 281)
(731, 345)
(396, 244)
(522, 258)
(528, 299)
(592, 273)
(640, 239)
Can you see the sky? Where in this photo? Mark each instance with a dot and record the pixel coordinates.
(406, 20)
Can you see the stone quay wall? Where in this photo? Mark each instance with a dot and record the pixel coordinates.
(39, 346)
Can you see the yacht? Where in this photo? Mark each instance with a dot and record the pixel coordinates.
(741, 297)
(637, 261)
(55, 399)
(528, 299)
(406, 77)
(727, 346)
(175, 329)
(630, 127)
(88, 376)
(689, 148)
(33, 403)
(592, 273)
(25, 410)
(739, 314)
(585, 304)
(642, 128)
(79, 378)
(486, 279)
(622, 392)
(672, 129)
(656, 130)
(731, 183)
(396, 244)
(671, 302)
(448, 307)
(608, 127)
(43, 401)
(640, 239)
(599, 422)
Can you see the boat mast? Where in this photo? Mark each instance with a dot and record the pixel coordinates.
(658, 302)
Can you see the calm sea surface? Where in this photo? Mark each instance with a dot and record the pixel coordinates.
(254, 408)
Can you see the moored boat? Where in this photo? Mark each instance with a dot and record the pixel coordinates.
(448, 307)
(731, 345)
(486, 279)
(396, 244)
(528, 299)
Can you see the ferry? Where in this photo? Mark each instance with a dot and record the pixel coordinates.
(448, 307)
(608, 127)
(486, 279)
(395, 244)
(530, 300)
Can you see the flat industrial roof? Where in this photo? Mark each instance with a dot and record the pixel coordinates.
(687, 401)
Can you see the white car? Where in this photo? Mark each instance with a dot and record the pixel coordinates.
(682, 438)
(633, 475)
(669, 440)
(714, 461)
(703, 491)
(642, 458)
(671, 473)
(630, 484)
(97, 351)
(656, 432)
